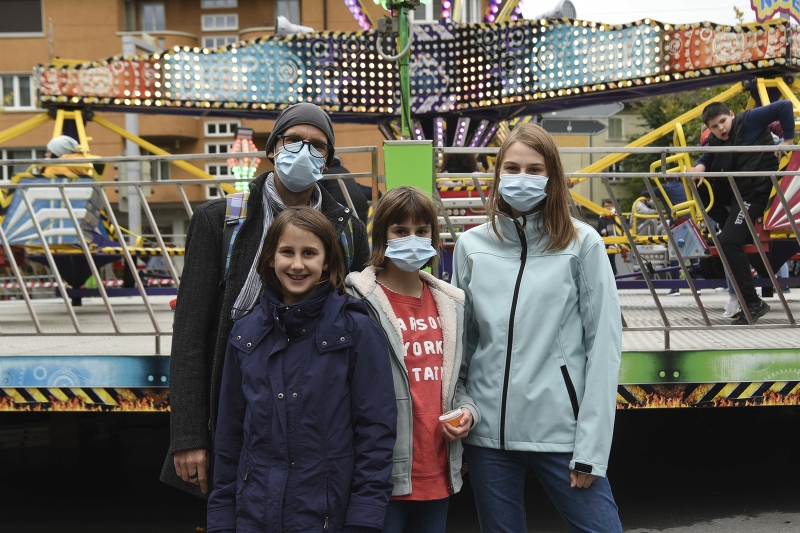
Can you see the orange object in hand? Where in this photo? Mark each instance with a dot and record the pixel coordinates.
(452, 417)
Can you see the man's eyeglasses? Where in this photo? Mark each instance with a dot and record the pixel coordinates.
(294, 144)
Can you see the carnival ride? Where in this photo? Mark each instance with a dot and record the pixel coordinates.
(467, 84)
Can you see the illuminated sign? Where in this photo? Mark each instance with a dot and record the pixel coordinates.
(766, 9)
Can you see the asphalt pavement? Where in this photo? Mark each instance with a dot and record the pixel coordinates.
(677, 471)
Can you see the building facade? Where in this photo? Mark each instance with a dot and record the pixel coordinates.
(36, 32)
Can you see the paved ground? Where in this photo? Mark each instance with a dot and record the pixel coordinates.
(680, 471)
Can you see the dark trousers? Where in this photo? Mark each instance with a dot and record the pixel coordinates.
(735, 233)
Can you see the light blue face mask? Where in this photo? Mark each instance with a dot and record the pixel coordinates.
(523, 192)
(409, 253)
(299, 171)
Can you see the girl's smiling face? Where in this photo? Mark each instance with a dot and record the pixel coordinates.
(299, 262)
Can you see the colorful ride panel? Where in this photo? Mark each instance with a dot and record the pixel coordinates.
(479, 69)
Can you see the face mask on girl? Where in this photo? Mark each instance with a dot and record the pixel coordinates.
(523, 192)
(299, 170)
(409, 253)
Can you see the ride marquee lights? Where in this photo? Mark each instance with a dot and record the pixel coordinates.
(454, 67)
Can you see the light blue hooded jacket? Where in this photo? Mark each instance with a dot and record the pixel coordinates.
(544, 340)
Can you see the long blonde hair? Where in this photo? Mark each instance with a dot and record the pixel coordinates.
(558, 226)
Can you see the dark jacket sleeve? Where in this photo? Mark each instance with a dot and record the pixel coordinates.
(374, 412)
(227, 446)
(361, 245)
(759, 118)
(195, 317)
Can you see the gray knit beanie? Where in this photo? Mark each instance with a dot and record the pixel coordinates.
(62, 145)
(303, 113)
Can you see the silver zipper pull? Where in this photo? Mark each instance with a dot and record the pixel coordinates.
(245, 475)
(325, 526)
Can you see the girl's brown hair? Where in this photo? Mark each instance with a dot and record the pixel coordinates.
(315, 223)
(558, 226)
(396, 207)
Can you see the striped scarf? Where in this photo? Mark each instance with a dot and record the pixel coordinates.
(273, 205)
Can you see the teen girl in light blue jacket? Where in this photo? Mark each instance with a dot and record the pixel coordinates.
(543, 345)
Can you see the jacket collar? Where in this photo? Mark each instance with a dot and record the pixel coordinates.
(446, 297)
(530, 225)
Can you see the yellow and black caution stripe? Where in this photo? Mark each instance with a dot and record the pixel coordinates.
(651, 239)
(139, 251)
(462, 188)
(83, 399)
(736, 394)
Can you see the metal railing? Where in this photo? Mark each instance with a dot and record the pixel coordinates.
(157, 246)
(630, 237)
(59, 194)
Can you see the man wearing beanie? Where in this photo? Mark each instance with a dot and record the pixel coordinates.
(301, 146)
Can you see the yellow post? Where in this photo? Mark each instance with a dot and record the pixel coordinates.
(23, 127)
(660, 132)
(158, 151)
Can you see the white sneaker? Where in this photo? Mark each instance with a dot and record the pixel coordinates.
(732, 307)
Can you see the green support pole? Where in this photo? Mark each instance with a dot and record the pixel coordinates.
(405, 82)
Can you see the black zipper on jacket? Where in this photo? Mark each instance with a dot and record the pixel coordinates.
(523, 259)
(573, 397)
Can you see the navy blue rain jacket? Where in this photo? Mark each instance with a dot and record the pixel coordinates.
(307, 419)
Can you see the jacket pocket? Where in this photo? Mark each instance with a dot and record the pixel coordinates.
(573, 397)
(246, 475)
(327, 504)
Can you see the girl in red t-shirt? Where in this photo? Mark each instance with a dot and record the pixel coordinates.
(423, 319)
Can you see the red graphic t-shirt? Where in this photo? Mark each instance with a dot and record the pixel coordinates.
(422, 343)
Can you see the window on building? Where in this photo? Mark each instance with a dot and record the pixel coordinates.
(615, 132)
(431, 11)
(7, 171)
(17, 91)
(615, 168)
(159, 170)
(221, 129)
(221, 22)
(153, 17)
(215, 41)
(216, 170)
(215, 4)
(21, 16)
(289, 9)
(218, 148)
(129, 16)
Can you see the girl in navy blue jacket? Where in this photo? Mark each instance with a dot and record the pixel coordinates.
(307, 412)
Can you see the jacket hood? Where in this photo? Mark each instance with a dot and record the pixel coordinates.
(365, 284)
(366, 281)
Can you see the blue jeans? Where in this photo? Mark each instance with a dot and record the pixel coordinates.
(498, 482)
(411, 516)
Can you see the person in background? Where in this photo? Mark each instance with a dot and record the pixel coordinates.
(746, 129)
(306, 411)
(213, 295)
(423, 320)
(354, 189)
(543, 348)
(607, 227)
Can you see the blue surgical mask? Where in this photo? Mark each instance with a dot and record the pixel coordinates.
(299, 171)
(523, 192)
(409, 253)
